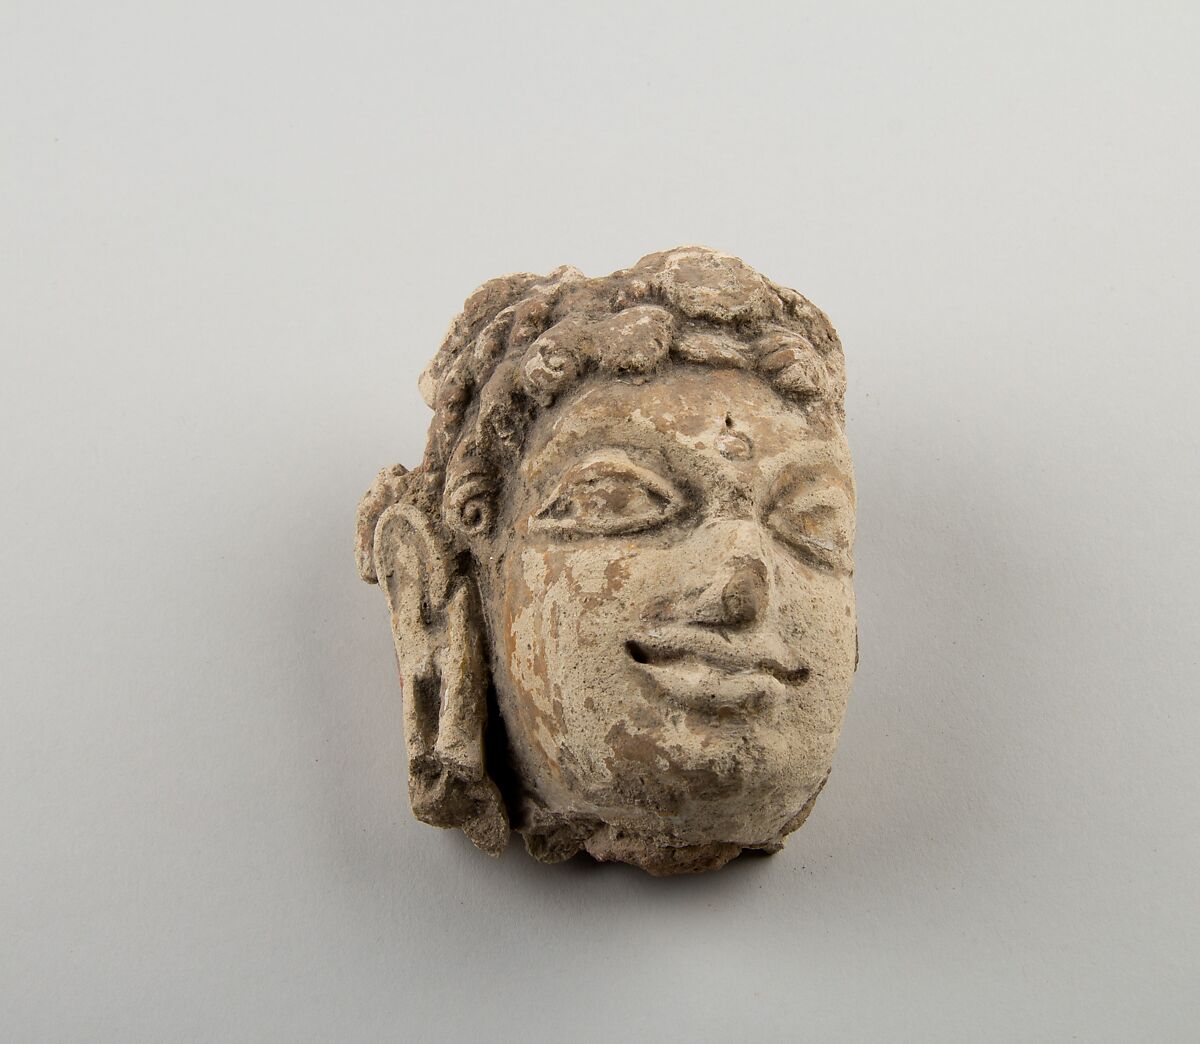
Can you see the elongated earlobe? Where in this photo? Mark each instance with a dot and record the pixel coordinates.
(436, 626)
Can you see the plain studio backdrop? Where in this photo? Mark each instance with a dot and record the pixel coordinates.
(233, 234)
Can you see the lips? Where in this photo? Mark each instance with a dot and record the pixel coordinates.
(713, 674)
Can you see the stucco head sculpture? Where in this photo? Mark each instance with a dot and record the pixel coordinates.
(620, 580)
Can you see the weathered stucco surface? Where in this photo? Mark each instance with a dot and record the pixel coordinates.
(620, 580)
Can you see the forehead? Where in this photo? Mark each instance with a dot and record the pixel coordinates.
(726, 415)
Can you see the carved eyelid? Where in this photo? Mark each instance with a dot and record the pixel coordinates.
(615, 465)
(806, 496)
(828, 496)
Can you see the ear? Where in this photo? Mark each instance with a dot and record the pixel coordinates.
(436, 624)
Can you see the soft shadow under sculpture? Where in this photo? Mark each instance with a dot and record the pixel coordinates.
(631, 538)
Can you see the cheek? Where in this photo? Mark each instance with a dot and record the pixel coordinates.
(569, 601)
(816, 608)
(566, 614)
(817, 621)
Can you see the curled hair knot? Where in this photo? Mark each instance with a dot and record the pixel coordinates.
(635, 340)
(469, 505)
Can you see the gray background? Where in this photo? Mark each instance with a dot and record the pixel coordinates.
(232, 236)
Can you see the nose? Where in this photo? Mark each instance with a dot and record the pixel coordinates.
(743, 596)
(738, 592)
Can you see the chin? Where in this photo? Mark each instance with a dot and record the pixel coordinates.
(688, 819)
(704, 836)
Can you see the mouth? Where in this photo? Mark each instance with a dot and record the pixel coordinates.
(710, 677)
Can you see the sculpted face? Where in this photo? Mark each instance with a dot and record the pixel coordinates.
(670, 603)
(620, 580)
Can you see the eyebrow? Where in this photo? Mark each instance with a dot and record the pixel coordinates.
(651, 447)
(827, 473)
(581, 450)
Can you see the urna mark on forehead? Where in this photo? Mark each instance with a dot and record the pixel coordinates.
(734, 414)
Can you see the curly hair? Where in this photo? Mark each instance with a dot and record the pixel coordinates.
(523, 340)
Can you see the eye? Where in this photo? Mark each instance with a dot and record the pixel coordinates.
(609, 497)
(815, 523)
